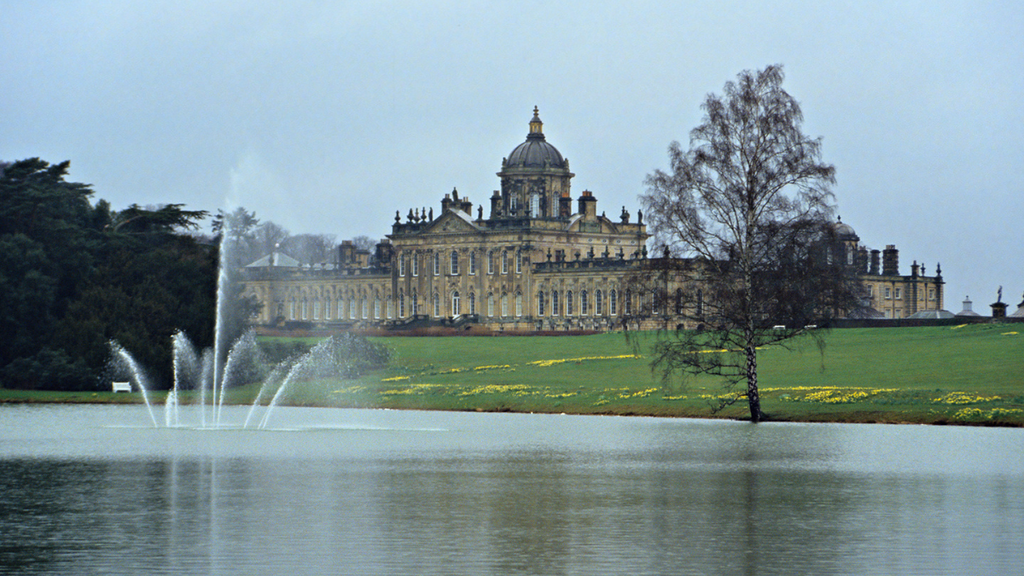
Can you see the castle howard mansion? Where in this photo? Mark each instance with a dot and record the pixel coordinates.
(540, 260)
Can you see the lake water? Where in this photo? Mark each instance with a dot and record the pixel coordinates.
(99, 490)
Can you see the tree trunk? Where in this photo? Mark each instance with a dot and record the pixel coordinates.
(753, 397)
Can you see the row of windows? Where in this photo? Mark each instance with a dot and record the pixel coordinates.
(553, 303)
(359, 309)
(454, 263)
(898, 293)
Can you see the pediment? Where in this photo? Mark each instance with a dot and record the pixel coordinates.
(451, 222)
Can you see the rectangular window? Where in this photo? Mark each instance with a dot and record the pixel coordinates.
(490, 305)
(519, 304)
(490, 262)
(454, 268)
(401, 265)
(899, 293)
(519, 262)
(437, 264)
(931, 294)
(415, 265)
(472, 263)
(888, 293)
(504, 262)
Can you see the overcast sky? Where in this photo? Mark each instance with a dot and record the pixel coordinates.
(326, 117)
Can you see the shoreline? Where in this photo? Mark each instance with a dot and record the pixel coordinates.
(877, 417)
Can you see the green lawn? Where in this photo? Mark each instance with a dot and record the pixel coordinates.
(965, 374)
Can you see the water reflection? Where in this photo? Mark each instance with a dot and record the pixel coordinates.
(508, 494)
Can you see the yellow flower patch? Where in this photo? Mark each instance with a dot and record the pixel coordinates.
(964, 398)
(517, 389)
(546, 363)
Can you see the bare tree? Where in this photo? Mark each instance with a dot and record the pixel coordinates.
(745, 213)
(310, 248)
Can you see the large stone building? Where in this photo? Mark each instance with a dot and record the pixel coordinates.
(539, 260)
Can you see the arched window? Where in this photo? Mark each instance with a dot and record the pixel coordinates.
(490, 304)
(327, 309)
(303, 308)
(455, 263)
(291, 309)
(339, 308)
(437, 305)
(628, 304)
(540, 303)
(535, 205)
(376, 308)
(584, 303)
(352, 303)
(389, 307)
(455, 303)
(316, 309)
(613, 301)
(679, 300)
(472, 303)
(569, 303)
(554, 303)
(364, 303)
(519, 304)
(504, 304)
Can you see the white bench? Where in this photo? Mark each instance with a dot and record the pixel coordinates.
(121, 386)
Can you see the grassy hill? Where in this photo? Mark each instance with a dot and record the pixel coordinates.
(962, 374)
(972, 373)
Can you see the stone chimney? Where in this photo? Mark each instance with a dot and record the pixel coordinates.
(875, 259)
(588, 206)
(346, 253)
(565, 205)
(890, 261)
(495, 204)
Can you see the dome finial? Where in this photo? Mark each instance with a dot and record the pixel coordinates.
(536, 126)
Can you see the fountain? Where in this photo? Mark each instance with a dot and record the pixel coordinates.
(206, 373)
(244, 356)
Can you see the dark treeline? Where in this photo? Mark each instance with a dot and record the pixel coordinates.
(75, 275)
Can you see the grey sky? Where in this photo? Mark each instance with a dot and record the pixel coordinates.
(326, 117)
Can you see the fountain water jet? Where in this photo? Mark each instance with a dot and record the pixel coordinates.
(132, 366)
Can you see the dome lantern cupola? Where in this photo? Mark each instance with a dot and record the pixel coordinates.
(536, 152)
(536, 126)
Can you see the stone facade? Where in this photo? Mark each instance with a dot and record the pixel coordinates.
(889, 293)
(540, 260)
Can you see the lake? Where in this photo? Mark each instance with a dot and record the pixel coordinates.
(88, 489)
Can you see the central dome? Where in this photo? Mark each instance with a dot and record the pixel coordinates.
(535, 152)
